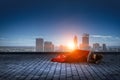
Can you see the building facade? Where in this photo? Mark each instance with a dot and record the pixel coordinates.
(96, 47)
(85, 42)
(39, 45)
(76, 42)
(104, 47)
(48, 46)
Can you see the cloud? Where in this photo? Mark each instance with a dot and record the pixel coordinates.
(17, 42)
(118, 38)
(2, 38)
(101, 36)
(113, 38)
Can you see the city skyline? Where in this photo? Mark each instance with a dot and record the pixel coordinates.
(65, 42)
(58, 21)
(47, 46)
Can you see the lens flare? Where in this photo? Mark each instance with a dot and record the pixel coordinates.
(71, 46)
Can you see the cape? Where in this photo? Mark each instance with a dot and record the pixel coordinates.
(74, 56)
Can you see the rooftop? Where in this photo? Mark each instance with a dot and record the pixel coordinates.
(39, 67)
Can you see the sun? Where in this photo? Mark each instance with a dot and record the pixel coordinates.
(71, 46)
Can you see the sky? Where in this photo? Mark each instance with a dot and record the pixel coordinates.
(21, 21)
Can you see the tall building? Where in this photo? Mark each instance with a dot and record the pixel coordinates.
(85, 41)
(61, 48)
(96, 47)
(39, 44)
(48, 46)
(52, 48)
(104, 47)
(75, 42)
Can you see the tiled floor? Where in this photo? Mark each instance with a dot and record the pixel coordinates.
(39, 67)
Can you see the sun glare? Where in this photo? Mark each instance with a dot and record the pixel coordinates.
(71, 46)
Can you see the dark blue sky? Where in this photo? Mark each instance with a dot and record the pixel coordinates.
(21, 21)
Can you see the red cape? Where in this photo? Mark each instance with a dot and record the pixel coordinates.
(74, 56)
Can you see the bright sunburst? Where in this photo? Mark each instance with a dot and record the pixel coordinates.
(71, 45)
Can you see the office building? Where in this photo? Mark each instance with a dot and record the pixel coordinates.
(104, 47)
(48, 46)
(85, 42)
(75, 42)
(39, 44)
(96, 47)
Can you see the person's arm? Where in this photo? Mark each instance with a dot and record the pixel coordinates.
(89, 56)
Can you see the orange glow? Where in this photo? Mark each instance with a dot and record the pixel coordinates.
(71, 46)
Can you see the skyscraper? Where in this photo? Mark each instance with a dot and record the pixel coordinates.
(85, 41)
(104, 47)
(39, 44)
(96, 47)
(48, 46)
(75, 42)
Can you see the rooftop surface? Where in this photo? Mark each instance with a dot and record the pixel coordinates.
(39, 67)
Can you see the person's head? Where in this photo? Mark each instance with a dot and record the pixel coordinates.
(97, 56)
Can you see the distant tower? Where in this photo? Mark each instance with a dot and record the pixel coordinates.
(96, 46)
(104, 47)
(85, 41)
(48, 46)
(61, 48)
(75, 42)
(39, 44)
